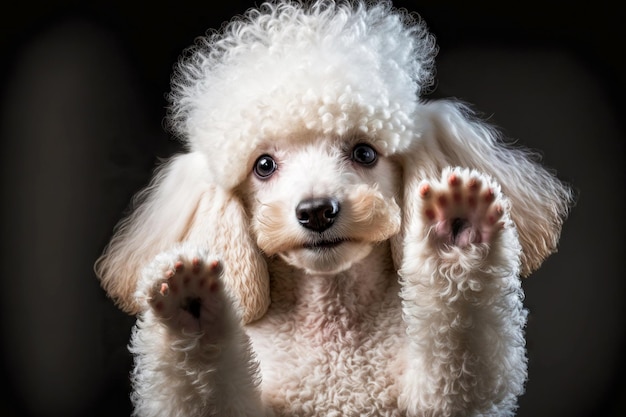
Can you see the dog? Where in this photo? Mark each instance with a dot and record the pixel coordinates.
(329, 243)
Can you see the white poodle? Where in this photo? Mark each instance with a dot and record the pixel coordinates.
(330, 244)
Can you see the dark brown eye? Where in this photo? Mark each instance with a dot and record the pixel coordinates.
(264, 167)
(364, 155)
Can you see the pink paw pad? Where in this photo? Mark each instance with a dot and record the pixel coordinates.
(188, 296)
(463, 208)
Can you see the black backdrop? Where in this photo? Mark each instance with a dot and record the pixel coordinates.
(81, 107)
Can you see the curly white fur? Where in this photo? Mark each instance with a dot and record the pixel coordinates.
(330, 244)
(287, 68)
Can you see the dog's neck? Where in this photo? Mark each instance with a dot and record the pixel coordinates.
(344, 295)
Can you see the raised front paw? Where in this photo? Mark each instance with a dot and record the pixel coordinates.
(184, 291)
(464, 207)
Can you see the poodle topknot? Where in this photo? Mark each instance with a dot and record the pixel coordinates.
(329, 243)
(286, 68)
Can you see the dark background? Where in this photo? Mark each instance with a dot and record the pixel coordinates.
(81, 110)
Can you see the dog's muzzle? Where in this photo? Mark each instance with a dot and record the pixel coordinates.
(317, 214)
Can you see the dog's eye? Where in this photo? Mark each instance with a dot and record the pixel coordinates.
(264, 166)
(364, 154)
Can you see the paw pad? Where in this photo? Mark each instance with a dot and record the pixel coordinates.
(463, 207)
(188, 295)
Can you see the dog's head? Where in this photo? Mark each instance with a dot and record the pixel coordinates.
(305, 130)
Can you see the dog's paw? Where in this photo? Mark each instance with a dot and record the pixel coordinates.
(187, 293)
(463, 208)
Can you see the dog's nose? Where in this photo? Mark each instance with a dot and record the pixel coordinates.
(317, 214)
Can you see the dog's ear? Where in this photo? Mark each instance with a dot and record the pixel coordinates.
(451, 135)
(182, 205)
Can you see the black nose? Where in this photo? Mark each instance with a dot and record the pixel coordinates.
(317, 214)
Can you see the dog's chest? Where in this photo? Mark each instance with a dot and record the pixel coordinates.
(335, 363)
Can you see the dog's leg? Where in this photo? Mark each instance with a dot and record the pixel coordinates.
(192, 357)
(462, 301)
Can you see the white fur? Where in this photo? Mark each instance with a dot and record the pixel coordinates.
(410, 313)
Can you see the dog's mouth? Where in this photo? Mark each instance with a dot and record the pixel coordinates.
(324, 244)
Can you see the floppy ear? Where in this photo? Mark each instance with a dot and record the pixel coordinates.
(451, 135)
(182, 205)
